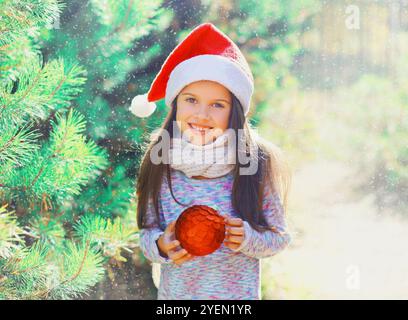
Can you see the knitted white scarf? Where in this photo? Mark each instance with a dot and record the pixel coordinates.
(211, 160)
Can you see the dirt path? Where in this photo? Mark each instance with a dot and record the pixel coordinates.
(343, 249)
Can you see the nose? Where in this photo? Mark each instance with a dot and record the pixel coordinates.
(203, 111)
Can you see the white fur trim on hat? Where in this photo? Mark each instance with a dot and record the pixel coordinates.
(214, 68)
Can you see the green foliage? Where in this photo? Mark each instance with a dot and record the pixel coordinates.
(39, 272)
(65, 269)
(21, 17)
(111, 236)
(81, 269)
(111, 195)
(107, 39)
(25, 272)
(60, 167)
(21, 23)
(39, 90)
(46, 160)
(10, 233)
(16, 144)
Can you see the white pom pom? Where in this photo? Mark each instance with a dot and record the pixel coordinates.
(141, 107)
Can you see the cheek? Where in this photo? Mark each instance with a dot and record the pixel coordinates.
(183, 112)
(221, 119)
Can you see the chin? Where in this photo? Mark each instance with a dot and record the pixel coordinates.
(200, 141)
(198, 138)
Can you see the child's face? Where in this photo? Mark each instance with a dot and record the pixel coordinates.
(205, 105)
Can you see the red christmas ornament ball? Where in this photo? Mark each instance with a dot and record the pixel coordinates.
(200, 230)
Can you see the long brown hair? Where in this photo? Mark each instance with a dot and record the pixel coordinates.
(247, 190)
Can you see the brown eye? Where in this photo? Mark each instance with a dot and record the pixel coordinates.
(218, 105)
(192, 100)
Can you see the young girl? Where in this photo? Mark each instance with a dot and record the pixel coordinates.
(208, 85)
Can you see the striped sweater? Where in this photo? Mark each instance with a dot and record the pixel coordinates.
(225, 274)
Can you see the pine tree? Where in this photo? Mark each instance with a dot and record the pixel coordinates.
(116, 42)
(120, 43)
(47, 250)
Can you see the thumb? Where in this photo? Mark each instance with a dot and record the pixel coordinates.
(168, 233)
(224, 216)
(172, 225)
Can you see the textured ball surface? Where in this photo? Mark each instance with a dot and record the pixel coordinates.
(200, 230)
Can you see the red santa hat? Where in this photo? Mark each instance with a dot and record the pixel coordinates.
(205, 54)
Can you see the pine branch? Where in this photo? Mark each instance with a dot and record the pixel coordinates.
(122, 22)
(17, 144)
(78, 272)
(48, 229)
(20, 17)
(41, 89)
(110, 236)
(82, 268)
(32, 273)
(24, 271)
(10, 233)
(13, 58)
(64, 165)
(39, 178)
(108, 197)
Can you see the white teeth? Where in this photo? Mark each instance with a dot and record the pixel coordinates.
(199, 128)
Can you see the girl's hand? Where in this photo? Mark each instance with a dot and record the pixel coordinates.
(168, 245)
(235, 232)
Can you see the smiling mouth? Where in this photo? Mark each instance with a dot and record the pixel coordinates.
(202, 130)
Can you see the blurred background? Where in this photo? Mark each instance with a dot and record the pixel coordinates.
(331, 90)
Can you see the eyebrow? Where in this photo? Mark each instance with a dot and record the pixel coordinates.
(191, 94)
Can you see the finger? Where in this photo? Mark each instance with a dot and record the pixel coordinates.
(172, 245)
(235, 222)
(172, 225)
(223, 215)
(169, 232)
(178, 254)
(235, 239)
(238, 231)
(183, 259)
(231, 245)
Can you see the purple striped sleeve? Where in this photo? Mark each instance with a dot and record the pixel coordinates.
(148, 237)
(266, 244)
